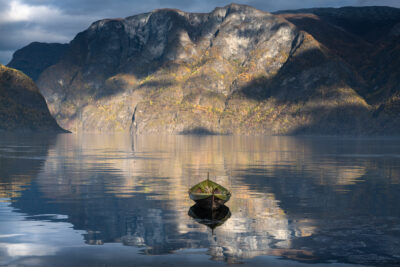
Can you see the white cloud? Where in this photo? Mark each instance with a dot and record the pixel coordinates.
(18, 11)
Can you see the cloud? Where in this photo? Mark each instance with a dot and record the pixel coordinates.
(22, 23)
(26, 21)
(393, 3)
(18, 11)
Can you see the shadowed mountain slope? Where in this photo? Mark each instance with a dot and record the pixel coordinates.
(34, 58)
(22, 107)
(368, 39)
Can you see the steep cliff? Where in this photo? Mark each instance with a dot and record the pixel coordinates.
(233, 70)
(22, 107)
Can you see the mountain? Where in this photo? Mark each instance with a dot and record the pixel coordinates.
(367, 38)
(22, 107)
(34, 58)
(234, 70)
(354, 34)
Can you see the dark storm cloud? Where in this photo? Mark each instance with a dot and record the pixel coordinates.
(25, 21)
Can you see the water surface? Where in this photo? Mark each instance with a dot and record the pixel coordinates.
(119, 200)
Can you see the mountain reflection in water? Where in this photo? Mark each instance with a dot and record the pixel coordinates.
(304, 199)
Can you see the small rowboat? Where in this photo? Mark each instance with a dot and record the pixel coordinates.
(209, 195)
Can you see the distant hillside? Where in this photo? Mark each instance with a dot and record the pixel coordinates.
(233, 70)
(34, 58)
(368, 39)
(22, 107)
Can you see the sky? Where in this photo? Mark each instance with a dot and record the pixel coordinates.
(26, 21)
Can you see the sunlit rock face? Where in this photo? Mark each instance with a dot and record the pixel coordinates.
(233, 70)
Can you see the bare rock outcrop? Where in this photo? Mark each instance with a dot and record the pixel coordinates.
(234, 70)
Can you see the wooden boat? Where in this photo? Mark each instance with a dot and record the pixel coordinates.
(209, 195)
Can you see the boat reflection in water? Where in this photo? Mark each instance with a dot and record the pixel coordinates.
(208, 217)
(213, 218)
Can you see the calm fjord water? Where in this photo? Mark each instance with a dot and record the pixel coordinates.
(119, 200)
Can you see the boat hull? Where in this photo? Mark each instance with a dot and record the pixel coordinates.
(210, 202)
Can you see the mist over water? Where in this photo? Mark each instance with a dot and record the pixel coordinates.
(123, 200)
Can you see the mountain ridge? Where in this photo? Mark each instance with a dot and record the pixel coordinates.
(34, 58)
(234, 70)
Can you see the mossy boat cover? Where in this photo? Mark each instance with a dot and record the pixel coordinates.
(208, 188)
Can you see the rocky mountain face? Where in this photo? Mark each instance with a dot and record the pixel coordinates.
(22, 107)
(368, 39)
(34, 58)
(234, 70)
